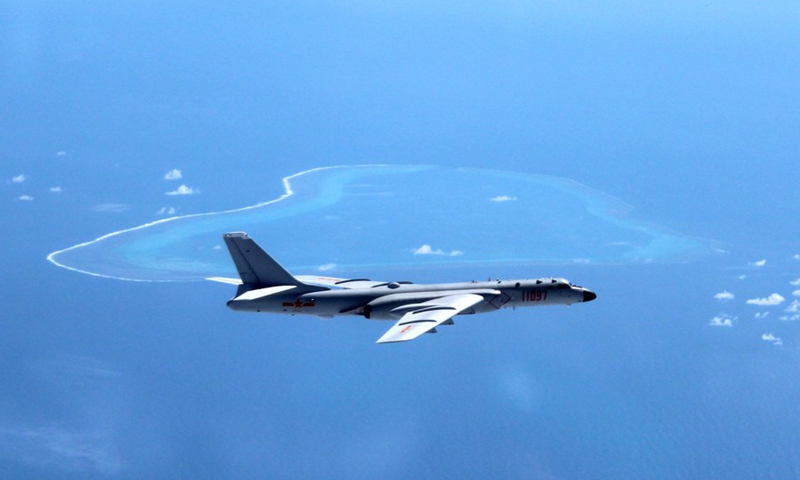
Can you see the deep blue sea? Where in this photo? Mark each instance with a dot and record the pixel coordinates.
(648, 152)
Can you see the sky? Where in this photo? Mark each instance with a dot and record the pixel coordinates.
(120, 114)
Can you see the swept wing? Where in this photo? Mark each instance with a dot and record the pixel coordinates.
(424, 317)
(348, 283)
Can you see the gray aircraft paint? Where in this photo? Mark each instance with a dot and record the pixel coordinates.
(267, 287)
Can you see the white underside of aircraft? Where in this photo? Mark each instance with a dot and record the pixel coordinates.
(265, 286)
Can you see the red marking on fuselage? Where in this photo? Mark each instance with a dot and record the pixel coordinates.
(297, 304)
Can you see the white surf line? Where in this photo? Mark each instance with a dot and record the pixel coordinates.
(288, 192)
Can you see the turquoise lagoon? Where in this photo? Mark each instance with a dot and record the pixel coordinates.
(352, 219)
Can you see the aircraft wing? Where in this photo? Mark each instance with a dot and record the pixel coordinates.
(424, 317)
(346, 283)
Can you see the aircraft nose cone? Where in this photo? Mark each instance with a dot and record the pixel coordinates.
(588, 295)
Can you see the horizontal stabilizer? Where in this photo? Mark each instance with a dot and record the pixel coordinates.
(263, 292)
(230, 281)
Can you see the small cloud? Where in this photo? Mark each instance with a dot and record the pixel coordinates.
(327, 267)
(428, 250)
(742, 277)
(81, 452)
(619, 244)
(111, 207)
(771, 301)
(761, 315)
(722, 320)
(19, 178)
(56, 189)
(724, 296)
(795, 282)
(790, 318)
(173, 174)
(25, 198)
(61, 154)
(759, 263)
(217, 247)
(796, 256)
(768, 337)
(167, 211)
(182, 190)
(502, 198)
(796, 293)
(794, 307)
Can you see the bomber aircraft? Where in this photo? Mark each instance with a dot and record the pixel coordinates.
(265, 286)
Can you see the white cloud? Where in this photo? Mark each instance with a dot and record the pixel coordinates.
(111, 207)
(61, 154)
(89, 451)
(771, 301)
(25, 198)
(19, 178)
(722, 320)
(167, 211)
(182, 190)
(327, 267)
(790, 318)
(795, 282)
(772, 338)
(56, 189)
(796, 293)
(759, 263)
(796, 257)
(502, 198)
(618, 244)
(742, 277)
(428, 250)
(794, 307)
(761, 315)
(173, 174)
(217, 247)
(724, 296)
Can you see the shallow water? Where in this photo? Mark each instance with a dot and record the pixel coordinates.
(399, 216)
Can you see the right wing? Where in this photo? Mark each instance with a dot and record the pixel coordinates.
(424, 317)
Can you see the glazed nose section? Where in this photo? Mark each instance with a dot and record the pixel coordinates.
(588, 295)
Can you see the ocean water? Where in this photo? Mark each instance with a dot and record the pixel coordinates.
(645, 151)
(637, 384)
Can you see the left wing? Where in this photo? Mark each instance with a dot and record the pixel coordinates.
(424, 317)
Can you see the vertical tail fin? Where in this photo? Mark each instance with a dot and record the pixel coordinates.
(256, 268)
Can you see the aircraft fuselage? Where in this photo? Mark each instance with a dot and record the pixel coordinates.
(265, 286)
(386, 302)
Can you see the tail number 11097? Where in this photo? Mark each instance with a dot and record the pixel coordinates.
(534, 295)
